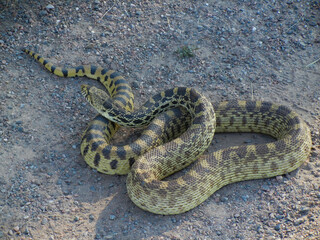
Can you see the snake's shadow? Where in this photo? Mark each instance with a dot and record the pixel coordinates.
(116, 217)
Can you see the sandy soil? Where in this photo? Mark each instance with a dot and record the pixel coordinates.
(262, 50)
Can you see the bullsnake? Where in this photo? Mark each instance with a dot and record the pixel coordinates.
(177, 147)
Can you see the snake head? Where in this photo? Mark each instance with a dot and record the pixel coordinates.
(102, 102)
(95, 96)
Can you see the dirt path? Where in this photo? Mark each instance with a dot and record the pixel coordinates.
(262, 50)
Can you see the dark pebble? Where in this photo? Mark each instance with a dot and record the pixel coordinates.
(135, 85)
(277, 227)
(245, 198)
(91, 217)
(265, 188)
(224, 199)
(304, 210)
(279, 217)
(43, 13)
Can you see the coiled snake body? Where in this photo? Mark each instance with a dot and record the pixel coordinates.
(176, 138)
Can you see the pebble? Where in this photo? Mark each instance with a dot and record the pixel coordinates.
(43, 12)
(135, 85)
(265, 188)
(245, 198)
(26, 231)
(91, 217)
(49, 7)
(278, 217)
(279, 178)
(224, 199)
(259, 228)
(304, 211)
(277, 227)
(299, 221)
(10, 232)
(112, 217)
(44, 221)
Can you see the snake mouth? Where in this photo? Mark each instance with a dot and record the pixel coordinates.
(85, 92)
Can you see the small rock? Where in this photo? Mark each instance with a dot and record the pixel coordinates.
(112, 217)
(66, 192)
(25, 230)
(135, 85)
(245, 197)
(304, 210)
(299, 221)
(44, 221)
(49, 7)
(224, 199)
(279, 178)
(277, 227)
(91, 217)
(307, 166)
(43, 12)
(16, 229)
(76, 219)
(10, 232)
(259, 229)
(278, 217)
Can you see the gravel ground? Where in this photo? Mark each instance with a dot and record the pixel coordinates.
(263, 50)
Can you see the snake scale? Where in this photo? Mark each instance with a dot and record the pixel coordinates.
(180, 126)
